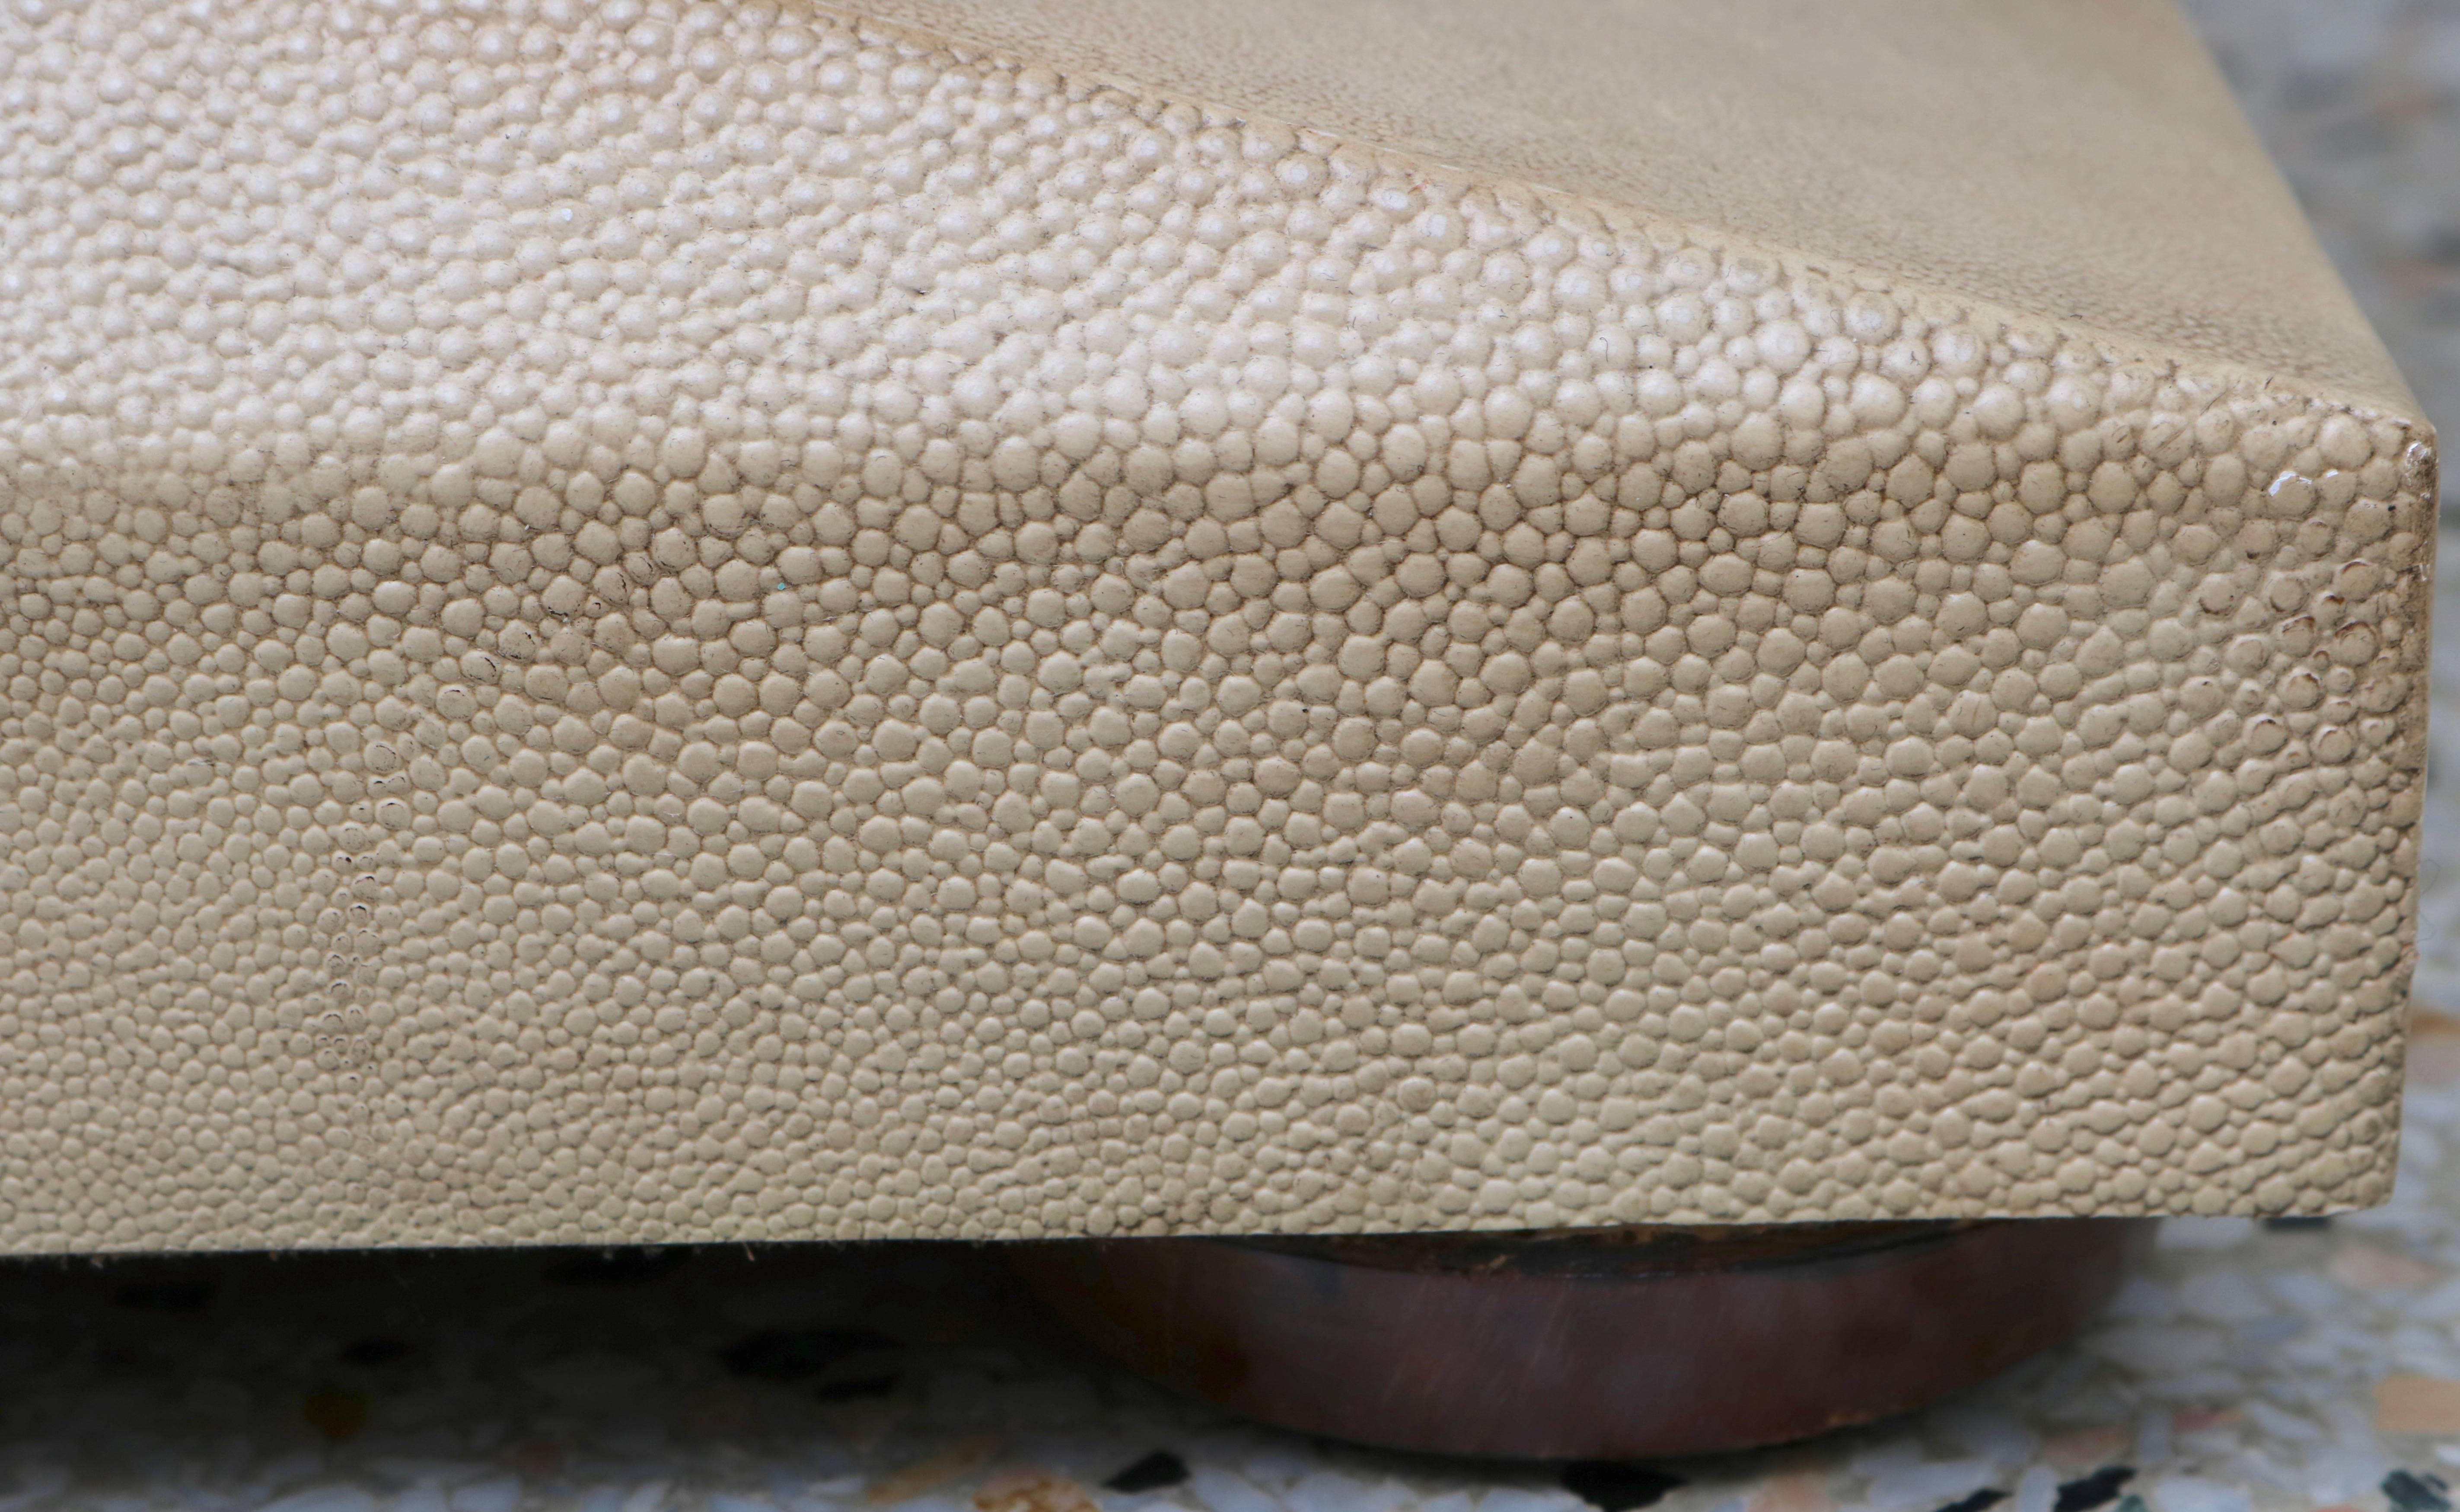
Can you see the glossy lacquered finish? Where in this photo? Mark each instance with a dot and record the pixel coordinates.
(1611, 1345)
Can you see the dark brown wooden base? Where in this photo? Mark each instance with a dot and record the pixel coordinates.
(1613, 1344)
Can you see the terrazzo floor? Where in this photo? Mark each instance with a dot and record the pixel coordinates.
(2243, 1369)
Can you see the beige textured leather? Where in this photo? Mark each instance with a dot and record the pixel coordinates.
(2083, 164)
(632, 624)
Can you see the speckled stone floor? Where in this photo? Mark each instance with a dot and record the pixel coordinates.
(2244, 1370)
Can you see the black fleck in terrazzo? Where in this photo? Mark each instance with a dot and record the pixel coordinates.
(2089, 1492)
(1619, 1487)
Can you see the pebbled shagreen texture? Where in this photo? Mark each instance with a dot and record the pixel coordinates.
(621, 622)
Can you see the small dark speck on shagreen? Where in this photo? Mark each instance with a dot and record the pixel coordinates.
(1977, 1501)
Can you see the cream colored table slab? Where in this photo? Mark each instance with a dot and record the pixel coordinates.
(2240, 1373)
(2243, 1373)
(627, 623)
